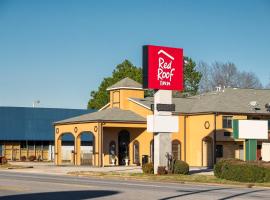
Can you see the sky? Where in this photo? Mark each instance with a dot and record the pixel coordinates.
(58, 51)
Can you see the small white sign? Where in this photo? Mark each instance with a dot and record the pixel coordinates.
(253, 129)
(162, 124)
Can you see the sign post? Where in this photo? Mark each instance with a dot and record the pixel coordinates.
(162, 71)
(251, 131)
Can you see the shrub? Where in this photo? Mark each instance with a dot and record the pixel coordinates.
(180, 167)
(161, 170)
(23, 158)
(237, 170)
(148, 168)
(219, 165)
(32, 158)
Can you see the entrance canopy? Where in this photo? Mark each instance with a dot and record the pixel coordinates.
(103, 125)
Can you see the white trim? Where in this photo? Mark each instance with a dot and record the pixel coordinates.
(139, 103)
(133, 88)
(104, 107)
(165, 53)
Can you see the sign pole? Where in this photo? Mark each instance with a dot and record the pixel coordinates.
(162, 140)
(162, 71)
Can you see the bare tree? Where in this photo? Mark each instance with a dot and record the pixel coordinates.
(225, 75)
(205, 83)
(248, 80)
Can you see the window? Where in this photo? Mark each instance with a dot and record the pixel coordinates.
(112, 151)
(136, 155)
(176, 149)
(227, 134)
(227, 121)
(219, 151)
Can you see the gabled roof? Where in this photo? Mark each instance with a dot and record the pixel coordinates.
(126, 83)
(107, 115)
(231, 100)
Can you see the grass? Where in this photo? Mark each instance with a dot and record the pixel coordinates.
(5, 166)
(173, 178)
(10, 166)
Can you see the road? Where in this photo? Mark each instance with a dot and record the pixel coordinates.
(14, 185)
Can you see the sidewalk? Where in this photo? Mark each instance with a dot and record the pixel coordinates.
(50, 168)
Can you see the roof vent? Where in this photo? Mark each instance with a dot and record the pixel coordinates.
(218, 88)
(254, 105)
(267, 106)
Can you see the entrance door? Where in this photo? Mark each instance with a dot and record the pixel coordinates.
(123, 143)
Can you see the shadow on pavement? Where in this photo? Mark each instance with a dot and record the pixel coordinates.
(197, 171)
(241, 194)
(192, 193)
(75, 195)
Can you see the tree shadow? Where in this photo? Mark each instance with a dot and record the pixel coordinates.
(192, 193)
(75, 195)
(240, 194)
(197, 171)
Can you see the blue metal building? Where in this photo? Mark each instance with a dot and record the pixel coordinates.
(25, 130)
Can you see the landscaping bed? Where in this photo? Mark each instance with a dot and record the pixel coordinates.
(170, 178)
(238, 170)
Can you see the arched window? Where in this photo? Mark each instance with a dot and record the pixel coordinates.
(136, 154)
(112, 151)
(176, 149)
(152, 151)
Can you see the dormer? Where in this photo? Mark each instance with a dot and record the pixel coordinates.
(122, 90)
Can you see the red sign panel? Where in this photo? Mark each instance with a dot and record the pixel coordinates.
(163, 68)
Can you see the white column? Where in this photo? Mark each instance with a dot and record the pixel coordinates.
(162, 141)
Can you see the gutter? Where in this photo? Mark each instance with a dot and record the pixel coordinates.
(98, 121)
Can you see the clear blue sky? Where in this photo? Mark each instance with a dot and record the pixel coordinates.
(58, 51)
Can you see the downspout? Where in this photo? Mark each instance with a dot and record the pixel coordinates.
(100, 142)
(185, 139)
(215, 137)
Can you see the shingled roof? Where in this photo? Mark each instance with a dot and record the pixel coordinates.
(107, 115)
(231, 100)
(126, 83)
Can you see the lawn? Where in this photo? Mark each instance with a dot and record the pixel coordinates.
(173, 178)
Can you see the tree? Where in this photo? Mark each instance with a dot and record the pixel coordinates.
(192, 77)
(100, 97)
(205, 83)
(248, 80)
(226, 75)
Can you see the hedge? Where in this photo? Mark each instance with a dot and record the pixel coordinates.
(237, 170)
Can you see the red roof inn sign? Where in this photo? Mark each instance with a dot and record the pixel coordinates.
(163, 68)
